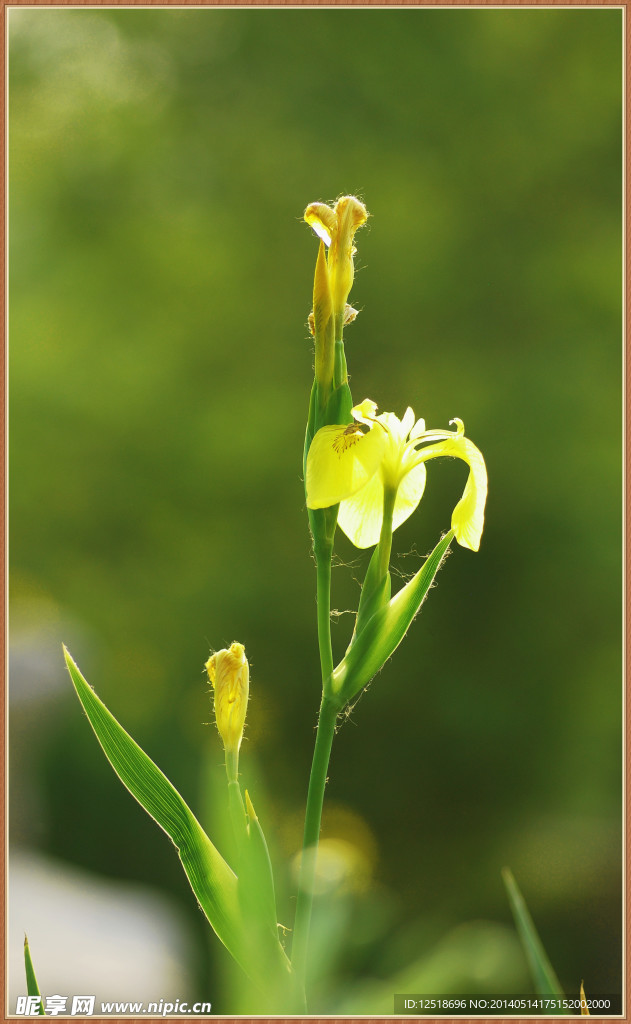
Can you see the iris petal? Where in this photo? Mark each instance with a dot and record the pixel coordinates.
(365, 412)
(467, 520)
(341, 460)
(322, 219)
(407, 422)
(417, 429)
(361, 516)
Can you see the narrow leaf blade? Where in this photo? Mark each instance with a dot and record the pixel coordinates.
(210, 877)
(32, 987)
(543, 975)
(256, 881)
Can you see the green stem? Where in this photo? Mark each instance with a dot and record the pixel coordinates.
(313, 818)
(323, 564)
(319, 766)
(232, 765)
(340, 371)
(236, 807)
(385, 540)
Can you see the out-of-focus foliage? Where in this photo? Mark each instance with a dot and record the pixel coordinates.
(160, 367)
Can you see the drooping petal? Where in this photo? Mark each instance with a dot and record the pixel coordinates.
(467, 520)
(341, 460)
(408, 496)
(361, 516)
(322, 219)
(351, 214)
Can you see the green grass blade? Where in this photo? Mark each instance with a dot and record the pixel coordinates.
(31, 981)
(543, 975)
(210, 877)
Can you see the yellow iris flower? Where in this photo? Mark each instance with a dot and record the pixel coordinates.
(358, 464)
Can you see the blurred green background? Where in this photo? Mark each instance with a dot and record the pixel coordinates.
(160, 367)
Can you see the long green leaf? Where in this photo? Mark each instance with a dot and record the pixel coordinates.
(212, 880)
(210, 877)
(543, 975)
(31, 981)
(383, 633)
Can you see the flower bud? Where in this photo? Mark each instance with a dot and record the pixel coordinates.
(229, 673)
(350, 314)
(336, 226)
(323, 323)
(350, 214)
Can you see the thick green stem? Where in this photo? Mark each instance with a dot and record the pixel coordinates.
(313, 818)
(319, 766)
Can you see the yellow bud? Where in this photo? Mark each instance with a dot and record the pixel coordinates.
(323, 324)
(229, 673)
(322, 305)
(350, 214)
(350, 314)
(336, 227)
(322, 219)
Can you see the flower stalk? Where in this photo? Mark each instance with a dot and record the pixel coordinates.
(323, 600)
(333, 279)
(385, 537)
(313, 818)
(367, 473)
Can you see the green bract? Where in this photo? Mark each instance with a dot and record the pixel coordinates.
(378, 637)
